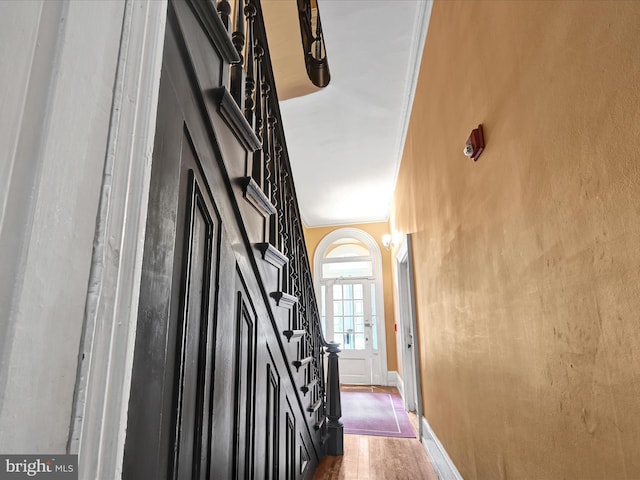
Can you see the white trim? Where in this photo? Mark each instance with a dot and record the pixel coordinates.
(403, 251)
(99, 421)
(420, 28)
(440, 461)
(395, 380)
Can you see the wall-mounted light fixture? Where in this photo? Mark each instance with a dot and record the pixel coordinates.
(475, 144)
(387, 241)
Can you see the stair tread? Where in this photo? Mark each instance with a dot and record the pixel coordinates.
(318, 425)
(314, 406)
(272, 255)
(308, 386)
(284, 300)
(301, 362)
(294, 334)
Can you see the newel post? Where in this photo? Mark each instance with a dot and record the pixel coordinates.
(335, 442)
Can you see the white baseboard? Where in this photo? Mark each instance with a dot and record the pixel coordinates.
(440, 460)
(395, 380)
(392, 378)
(400, 385)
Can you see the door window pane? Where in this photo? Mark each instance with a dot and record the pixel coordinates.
(348, 324)
(348, 308)
(374, 333)
(374, 321)
(349, 247)
(373, 298)
(359, 307)
(362, 268)
(337, 291)
(337, 307)
(323, 309)
(348, 341)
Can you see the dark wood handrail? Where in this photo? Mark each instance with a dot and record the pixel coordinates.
(315, 55)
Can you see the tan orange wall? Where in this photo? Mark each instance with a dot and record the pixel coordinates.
(528, 261)
(313, 236)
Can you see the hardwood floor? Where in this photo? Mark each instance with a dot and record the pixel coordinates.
(369, 457)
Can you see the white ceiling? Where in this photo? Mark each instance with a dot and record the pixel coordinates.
(345, 141)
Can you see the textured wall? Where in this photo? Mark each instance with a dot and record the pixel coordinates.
(528, 261)
(57, 70)
(313, 236)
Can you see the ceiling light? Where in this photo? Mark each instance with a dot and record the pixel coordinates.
(387, 241)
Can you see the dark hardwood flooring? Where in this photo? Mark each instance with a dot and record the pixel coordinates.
(369, 457)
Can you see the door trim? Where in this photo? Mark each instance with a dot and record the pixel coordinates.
(99, 418)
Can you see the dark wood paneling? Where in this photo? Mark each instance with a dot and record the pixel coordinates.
(152, 365)
(191, 389)
(245, 348)
(171, 386)
(272, 415)
(304, 457)
(290, 459)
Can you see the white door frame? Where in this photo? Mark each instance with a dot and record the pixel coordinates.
(376, 259)
(409, 345)
(101, 400)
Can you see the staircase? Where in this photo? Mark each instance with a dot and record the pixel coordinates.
(269, 189)
(228, 378)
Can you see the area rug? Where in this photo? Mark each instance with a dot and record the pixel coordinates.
(380, 414)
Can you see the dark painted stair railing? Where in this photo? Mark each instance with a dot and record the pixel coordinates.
(270, 188)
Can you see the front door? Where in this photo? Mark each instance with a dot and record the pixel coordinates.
(351, 319)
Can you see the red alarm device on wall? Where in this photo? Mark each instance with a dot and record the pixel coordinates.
(475, 144)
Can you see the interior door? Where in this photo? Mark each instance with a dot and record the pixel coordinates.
(351, 319)
(408, 330)
(407, 341)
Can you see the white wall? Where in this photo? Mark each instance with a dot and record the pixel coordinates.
(57, 69)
